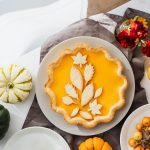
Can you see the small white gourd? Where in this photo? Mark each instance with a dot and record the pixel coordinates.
(15, 84)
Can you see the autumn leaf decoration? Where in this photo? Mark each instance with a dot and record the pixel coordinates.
(84, 84)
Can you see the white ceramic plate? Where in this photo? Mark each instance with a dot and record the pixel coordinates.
(36, 138)
(129, 126)
(42, 77)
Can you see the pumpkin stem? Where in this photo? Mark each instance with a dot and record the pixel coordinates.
(10, 85)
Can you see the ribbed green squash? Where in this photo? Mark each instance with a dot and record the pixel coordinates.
(4, 121)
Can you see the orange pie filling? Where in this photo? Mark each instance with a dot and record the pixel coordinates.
(87, 83)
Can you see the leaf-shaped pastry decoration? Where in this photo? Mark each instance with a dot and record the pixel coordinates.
(76, 78)
(95, 107)
(67, 100)
(98, 92)
(87, 94)
(74, 112)
(85, 115)
(88, 72)
(79, 59)
(70, 90)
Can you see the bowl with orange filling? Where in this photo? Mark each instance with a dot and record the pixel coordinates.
(86, 85)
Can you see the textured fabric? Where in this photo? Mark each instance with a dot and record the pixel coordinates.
(94, 28)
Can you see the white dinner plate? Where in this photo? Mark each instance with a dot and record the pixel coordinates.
(36, 138)
(43, 99)
(129, 126)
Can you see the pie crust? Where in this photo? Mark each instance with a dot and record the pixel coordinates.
(86, 85)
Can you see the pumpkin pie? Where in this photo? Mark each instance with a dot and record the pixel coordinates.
(86, 85)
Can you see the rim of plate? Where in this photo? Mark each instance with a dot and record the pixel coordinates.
(37, 128)
(128, 121)
(83, 131)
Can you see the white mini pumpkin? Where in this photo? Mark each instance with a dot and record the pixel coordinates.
(15, 84)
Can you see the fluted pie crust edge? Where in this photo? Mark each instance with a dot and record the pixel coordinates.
(79, 120)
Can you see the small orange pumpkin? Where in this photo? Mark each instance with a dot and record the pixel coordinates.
(95, 143)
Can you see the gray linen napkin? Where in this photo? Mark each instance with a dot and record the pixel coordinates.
(90, 27)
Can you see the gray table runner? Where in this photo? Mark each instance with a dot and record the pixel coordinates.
(90, 27)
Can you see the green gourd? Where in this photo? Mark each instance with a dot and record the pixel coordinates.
(4, 121)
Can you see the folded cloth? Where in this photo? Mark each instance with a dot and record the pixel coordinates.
(103, 27)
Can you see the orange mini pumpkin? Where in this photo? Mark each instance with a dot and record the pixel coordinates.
(95, 143)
